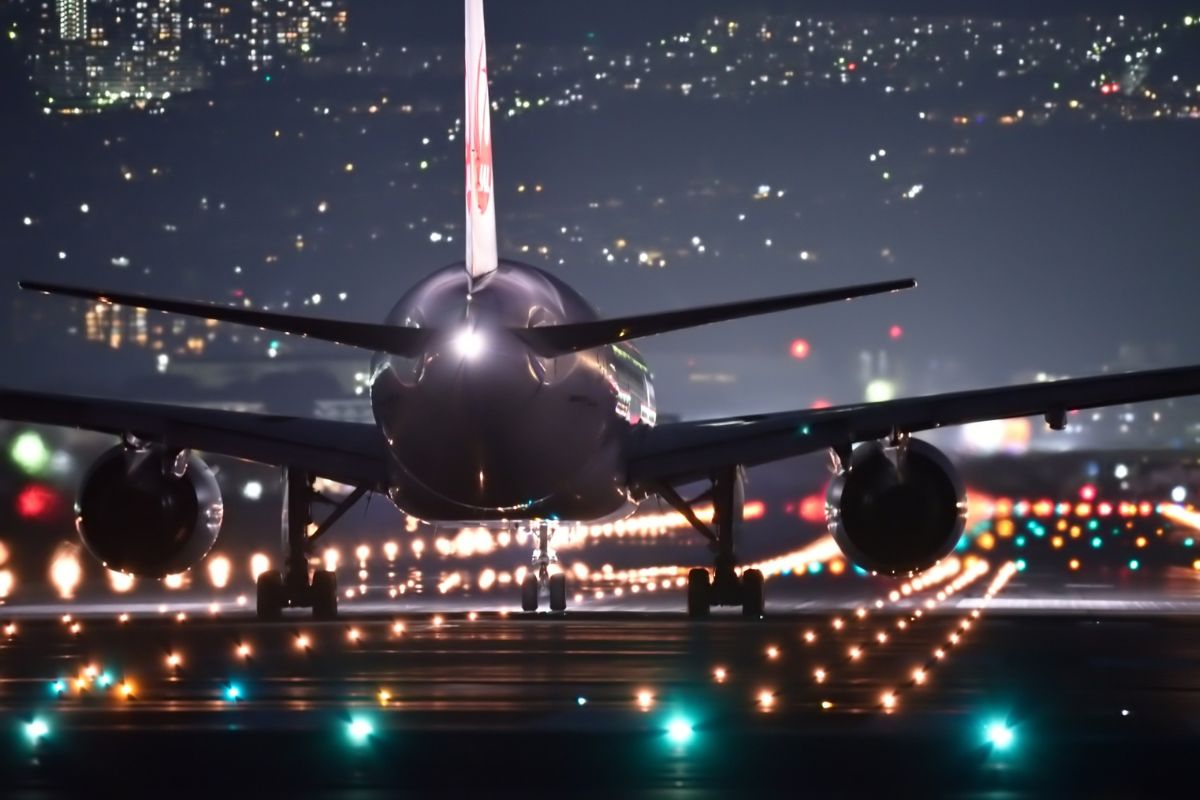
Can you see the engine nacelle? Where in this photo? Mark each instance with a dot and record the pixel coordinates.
(145, 513)
(896, 513)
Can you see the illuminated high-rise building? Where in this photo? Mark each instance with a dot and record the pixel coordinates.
(72, 20)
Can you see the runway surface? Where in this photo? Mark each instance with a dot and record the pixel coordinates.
(867, 696)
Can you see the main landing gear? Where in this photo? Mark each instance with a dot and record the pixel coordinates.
(723, 587)
(292, 586)
(539, 573)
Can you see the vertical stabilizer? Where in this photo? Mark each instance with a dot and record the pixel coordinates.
(481, 208)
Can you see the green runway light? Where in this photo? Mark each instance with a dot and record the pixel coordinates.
(680, 731)
(233, 692)
(1134, 563)
(59, 686)
(1096, 542)
(1000, 735)
(1021, 565)
(581, 700)
(36, 730)
(30, 453)
(360, 730)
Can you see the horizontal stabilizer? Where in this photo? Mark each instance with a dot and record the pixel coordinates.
(556, 340)
(409, 342)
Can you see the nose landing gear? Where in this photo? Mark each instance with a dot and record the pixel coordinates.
(540, 575)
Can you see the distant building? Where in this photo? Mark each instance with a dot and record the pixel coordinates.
(72, 20)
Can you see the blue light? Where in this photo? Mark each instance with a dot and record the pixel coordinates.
(1093, 525)
(104, 679)
(1000, 735)
(1133, 563)
(1189, 542)
(59, 686)
(680, 731)
(862, 571)
(233, 692)
(1021, 565)
(1019, 541)
(815, 567)
(1096, 542)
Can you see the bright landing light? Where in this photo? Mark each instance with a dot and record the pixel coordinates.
(1000, 735)
(469, 343)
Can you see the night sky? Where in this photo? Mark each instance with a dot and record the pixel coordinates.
(1062, 242)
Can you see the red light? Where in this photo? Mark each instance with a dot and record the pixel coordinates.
(852, 66)
(812, 508)
(753, 509)
(895, 331)
(800, 348)
(36, 502)
(1088, 492)
(821, 402)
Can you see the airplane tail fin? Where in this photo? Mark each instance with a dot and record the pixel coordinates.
(482, 258)
(557, 340)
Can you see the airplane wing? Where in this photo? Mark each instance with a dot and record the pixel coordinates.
(557, 340)
(548, 341)
(346, 452)
(407, 342)
(681, 452)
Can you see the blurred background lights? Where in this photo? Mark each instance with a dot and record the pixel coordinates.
(29, 452)
(219, 570)
(259, 564)
(66, 571)
(120, 582)
(880, 390)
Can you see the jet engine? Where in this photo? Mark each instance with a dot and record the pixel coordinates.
(896, 509)
(149, 512)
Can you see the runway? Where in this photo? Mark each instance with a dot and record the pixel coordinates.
(853, 699)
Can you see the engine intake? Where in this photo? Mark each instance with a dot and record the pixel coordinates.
(144, 513)
(896, 511)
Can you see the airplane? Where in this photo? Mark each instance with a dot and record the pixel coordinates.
(501, 397)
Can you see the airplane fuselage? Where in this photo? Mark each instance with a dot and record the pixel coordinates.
(481, 428)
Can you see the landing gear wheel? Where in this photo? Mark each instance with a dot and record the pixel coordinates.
(529, 593)
(698, 594)
(270, 600)
(324, 594)
(752, 593)
(558, 592)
